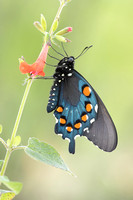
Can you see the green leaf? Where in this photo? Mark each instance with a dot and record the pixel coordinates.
(6, 195)
(1, 128)
(43, 22)
(45, 153)
(1, 162)
(14, 186)
(17, 140)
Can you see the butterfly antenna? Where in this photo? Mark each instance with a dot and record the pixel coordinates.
(53, 57)
(84, 51)
(57, 51)
(64, 49)
(50, 65)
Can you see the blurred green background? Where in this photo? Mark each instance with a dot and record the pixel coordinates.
(108, 66)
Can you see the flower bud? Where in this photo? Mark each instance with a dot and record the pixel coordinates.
(64, 31)
(62, 39)
(43, 22)
(39, 26)
(55, 25)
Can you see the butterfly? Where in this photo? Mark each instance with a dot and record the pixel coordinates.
(78, 109)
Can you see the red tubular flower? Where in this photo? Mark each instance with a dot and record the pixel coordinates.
(37, 67)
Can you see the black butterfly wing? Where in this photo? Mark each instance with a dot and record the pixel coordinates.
(102, 132)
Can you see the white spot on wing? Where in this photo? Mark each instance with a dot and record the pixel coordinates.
(86, 129)
(55, 119)
(67, 139)
(70, 74)
(96, 108)
(76, 136)
(92, 120)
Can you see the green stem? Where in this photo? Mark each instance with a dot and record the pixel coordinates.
(57, 16)
(4, 143)
(18, 148)
(21, 108)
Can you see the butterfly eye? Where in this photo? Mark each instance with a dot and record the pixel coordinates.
(71, 59)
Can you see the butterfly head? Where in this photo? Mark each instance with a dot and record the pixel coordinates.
(64, 68)
(67, 61)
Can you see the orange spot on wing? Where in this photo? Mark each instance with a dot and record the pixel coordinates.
(84, 118)
(59, 109)
(69, 129)
(88, 107)
(86, 91)
(77, 125)
(62, 121)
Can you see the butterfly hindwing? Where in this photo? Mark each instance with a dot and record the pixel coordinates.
(103, 132)
(75, 109)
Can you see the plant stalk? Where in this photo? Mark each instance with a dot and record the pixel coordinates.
(21, 108)
(62, 4)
